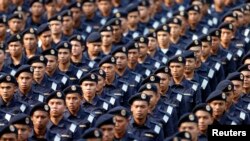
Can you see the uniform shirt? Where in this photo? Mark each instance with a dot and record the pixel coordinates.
(15, 67)
(31, 23)
(171, 51)
(150, 63)
(49, 136)
(32, 97)
(97, 102)
(199, 30)
(62, 78)
(132, 78)
(160, 57)
(141, 69)
(149, 131)
(112, 99)
(91, 63)
(46, 86)
(74, 74)
(127, 137)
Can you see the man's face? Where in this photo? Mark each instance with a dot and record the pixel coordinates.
(73, 101)
(121, 124)
(109, 69)
(94, 48)
(39, 70)
(67, 23)
(88, 8)
(193, 17)
(2, 29)
(246, 82)
(46, 38)
(175, 30)
(15, 25)
(23, 131)
(89, 88)
(77, 48)
(164, 82)
(24, 80)
(205, 49)
(177, 69)
(117, 32)
(15, 49)
(190, 65)
(143, 49)
(139, 109)
(76, 13)
(162, 38)
(133, 18)
(55, 27)
(9, 137)
(37, 9)
(108, 132)
(197, 51)
(64, 55)
(152, 43)
(7, 90)
(52, 63)
(204, 119)
(121, 60)
(218, 107)
(226, 35)
(133, 55)
(107, 38)
(143, 11)
(238, 88)
(104, 6)
(190, 127)
(100, 84)
(2, 56)
(29, 41)
(40, 119)
(153, 98)
(215, 43)
(57, 107)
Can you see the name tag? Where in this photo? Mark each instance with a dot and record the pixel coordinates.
(204, 30)
(239, 52)
(170, 110)
(248, 106)
(40, 98)
(57, 138)
(53, 86)
(91, 64)
(170, 14)
(135, 35)
(157, 129)
(233, 123)
(242, 115)
(147, 72)
(179, 97)
(178, 52)
(72, 127)
(210, 22)
(13, 72)
(165, 118)
(217, 66)
(103, 21)
(194, 37)
(194, 87)
(7, 117)
(23, 107)
(105, 106)
(64, 80)
(112, 100)
(79, 74)
(164, 60)
(88, 29)
(247, 40)
(211, 73)
(157, 65)
(246, 32)
(204, 84)
(156, 24)
(90, 118)
(137, 78)
(215, 21)
(124, 87)
(229, 56)
(187, 94)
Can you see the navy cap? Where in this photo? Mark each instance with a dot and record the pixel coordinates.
(180, 13)
(120, 111)
(194, 43)
(75, 5)
(132, 45)
(16, 16)
(39, 107)
(20, 119)
(43, 28)
(106, 28)
(245, 57)
(228, 26)
(235, 76)
(121, 13)
(24, 68)
(203, 107)
(55, 95)
(229, 14)
(205, 38)
(8, 129)
(225, 86)
(64, 45)
(151, 79)
(214, 32)
(216, 95)
(56, 17)
(99, 72)
(48, 1)
(38, 59)
(174, 21)
(177, 59)
(19, 9)
(3, 19)
(94, 37)
(8, 79)
(163, 69)
(73, 89)
(33, 1)
(89, 77)
(139, 97)
(121, 49)
(184, 135)
(77, 37)
(245, 67)
(92, 133)
(148, 87)
(114, 22)
(144, 3)
(239, 8)
(29, 31)
(163, 27)
(193, 8)
(188, 117)
(91, 1)
(141, 39)
(188, 54)
(50, 51)
(133, 7)
(14, 38)
(66, 13)
(106, 119)
(151, 34)
(107, 59)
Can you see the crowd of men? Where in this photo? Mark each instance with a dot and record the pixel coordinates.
(122, 70)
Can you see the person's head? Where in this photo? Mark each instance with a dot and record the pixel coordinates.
(77, 44)
(24, 77)
(39, 63)
(121, 117)
(227, 32)
(139, 106)
(176, 65)
(76, 11)
(15, 23)
(52, 64)
(107, 64)
(88, 84)
(195, 46)
(73, 97)
(107, 35)
(44, 34)
(237, 79)
(120, 54)
(22, 123)
(29, 39)
(190, 62)
(152, 41)
(206, 42)
(115, 23)
(39, 115)
(175, 27)
(56, 102)
(162, 33)
(150, 90)
(64, 52)
(133, 52)
(92, 134)
(217, 100)
(227, 87)
(104, 5)
(94, 42)
(189, 122)
(3, 25)
(2, 53)
(15, 45)
(231, 17)
(240, 14)
(67, 20)
(204, 113)
(106, 124)
(9, 132)
(132, 15)
(245, 70)
(215, 37)
(164, 74)
(7, 87)
(36, 8)
(193, 14)
(55, 24)
(88, 7)
(143, 8)
(50, 7)
(143, 46)
(101, 79)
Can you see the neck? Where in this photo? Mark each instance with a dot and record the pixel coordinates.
(110, 80)
(174, 39)
(145, 19)
(132, 65)
(204, 58)
(106, 49)
(218, 8)
(2, 38)
(36, 19)
(189, 75)
(46, 47)
(106, 13)
(40, 133)
(120, 72)
(50, 73)
(68, 31)
(132, 27)
(90, 16)
(193, 25)
(165, 46)
(140, 121)
(120, 135)
(56, 37)
(163, 92)
(56, 120)
(89, 98)
(92, 57)
(39, 80)
(76, 59)
(74, 112)
(16, 59)
(151, 53)
(30, 53)
(246, 90)
(141, 59)
(178, 80)
(25, 92)
(64, 67)
(225, 45)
